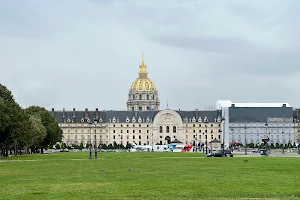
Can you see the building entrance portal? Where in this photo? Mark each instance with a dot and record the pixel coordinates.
(168, 139)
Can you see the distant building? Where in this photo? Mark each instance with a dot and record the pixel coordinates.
(252, 122)
(143, 123)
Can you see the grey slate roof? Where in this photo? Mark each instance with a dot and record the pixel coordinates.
(123, 116)
(258, 114)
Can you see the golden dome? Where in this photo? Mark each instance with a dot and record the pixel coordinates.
(143, 83)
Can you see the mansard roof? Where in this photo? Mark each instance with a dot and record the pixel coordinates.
(258, 114)
(112, 116)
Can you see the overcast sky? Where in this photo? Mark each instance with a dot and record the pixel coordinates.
(86, 53)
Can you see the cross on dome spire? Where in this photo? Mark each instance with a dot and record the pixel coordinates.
(143, 68)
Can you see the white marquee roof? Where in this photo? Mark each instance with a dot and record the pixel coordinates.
(227, 103)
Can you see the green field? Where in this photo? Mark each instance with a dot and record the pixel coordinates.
(153, 176)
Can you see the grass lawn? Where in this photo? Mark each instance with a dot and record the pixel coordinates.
(154, 176)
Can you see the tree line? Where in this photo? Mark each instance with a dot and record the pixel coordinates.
(27, 130)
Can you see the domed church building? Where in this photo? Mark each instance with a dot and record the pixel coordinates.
(142, 93)
(143, 123)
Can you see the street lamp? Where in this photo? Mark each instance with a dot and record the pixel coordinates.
(196, 143)
(245, 140)
(223, 133)
(202, 145)
(206, 138)
(90, 124)
(95, 146)
(298, 141)
(119, 142)
(152, 143)
(232, 139)
(283, 143)
(268, 136)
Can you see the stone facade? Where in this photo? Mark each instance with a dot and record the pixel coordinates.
(139, 127)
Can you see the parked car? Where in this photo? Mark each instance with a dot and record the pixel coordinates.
(220, 153)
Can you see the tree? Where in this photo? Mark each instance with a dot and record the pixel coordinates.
(104, 146)
(128, 146)
(63, 145)
(53, 131)
(81, 146)
(115, 145)
(6, 94)
(14, 123)
(38, 131)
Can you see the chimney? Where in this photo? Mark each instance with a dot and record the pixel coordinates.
(63, 112)
(196, 113)
(284, 105)
(52, 109)
(74, 113)
(97, 113)
(86, 114)
(233, 105)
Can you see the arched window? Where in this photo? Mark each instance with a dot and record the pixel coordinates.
(140, 97)
(168, 129)
(174, 129)
(160, 129)
(147, 96)
(153, 97)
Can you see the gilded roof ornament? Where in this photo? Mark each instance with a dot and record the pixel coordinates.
(143, 68)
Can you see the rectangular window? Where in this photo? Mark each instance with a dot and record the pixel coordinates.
(140, 137)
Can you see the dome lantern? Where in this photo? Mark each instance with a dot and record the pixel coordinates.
(143, 68)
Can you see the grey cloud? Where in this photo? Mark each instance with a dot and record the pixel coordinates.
(241, 54)
(85, 54)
